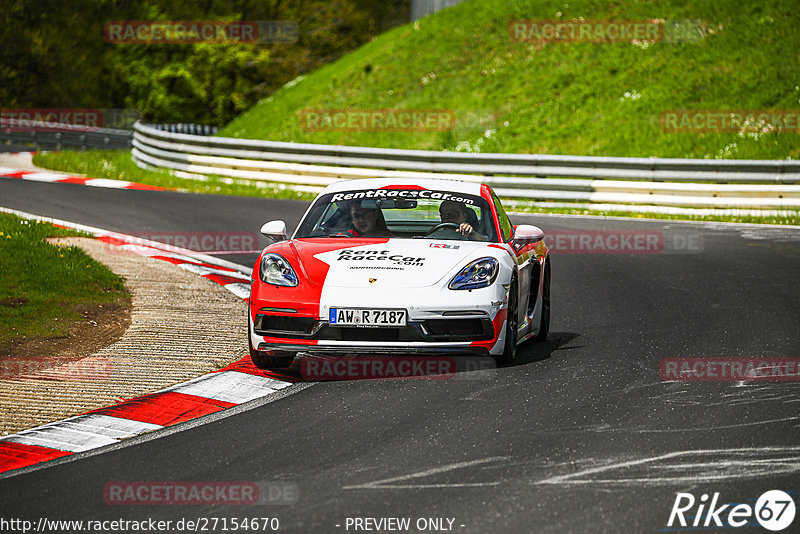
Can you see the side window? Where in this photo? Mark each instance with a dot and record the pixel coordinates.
(505, 224)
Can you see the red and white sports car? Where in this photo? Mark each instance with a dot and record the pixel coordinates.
(399, 267)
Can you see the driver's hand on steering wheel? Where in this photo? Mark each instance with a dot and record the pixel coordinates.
(465, 229)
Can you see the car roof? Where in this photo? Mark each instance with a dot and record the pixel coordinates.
(469, 188)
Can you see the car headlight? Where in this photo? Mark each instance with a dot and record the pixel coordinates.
(479, 273)
(277, 271)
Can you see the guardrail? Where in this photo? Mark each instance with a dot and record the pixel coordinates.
(44, 136)
(187, 128)
(640, 181)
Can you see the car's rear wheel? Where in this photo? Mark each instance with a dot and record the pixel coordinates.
(265, 361)
(544, 323)
(510, 346)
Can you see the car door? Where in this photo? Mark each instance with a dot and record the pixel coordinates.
(522, 259)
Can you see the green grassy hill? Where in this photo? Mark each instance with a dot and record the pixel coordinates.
(558, 98)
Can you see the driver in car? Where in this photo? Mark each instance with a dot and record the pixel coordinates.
(457, 213)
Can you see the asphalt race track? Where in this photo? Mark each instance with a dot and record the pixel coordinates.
(581, 434)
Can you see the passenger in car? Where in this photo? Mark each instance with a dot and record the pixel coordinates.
(367, 222)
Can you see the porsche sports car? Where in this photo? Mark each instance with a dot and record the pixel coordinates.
(399, 267)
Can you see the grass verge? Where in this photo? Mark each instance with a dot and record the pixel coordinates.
(118, 165)
(45, 288)
(510, 95)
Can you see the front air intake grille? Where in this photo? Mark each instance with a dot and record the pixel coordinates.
(370, 334)
(283, 325)
(458, 329)
(427, 330)
(343, 333)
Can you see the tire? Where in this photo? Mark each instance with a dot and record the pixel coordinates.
(264, 361)
(544, 323)
(510, 346)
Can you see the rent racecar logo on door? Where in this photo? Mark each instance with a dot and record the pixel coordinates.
(774, 510)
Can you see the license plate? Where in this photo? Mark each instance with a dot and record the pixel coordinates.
(367, 317)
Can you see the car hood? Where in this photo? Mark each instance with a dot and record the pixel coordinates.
(383, 263)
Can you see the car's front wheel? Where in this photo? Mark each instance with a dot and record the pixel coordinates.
(265, 361)
(510, 346)
(544, 323)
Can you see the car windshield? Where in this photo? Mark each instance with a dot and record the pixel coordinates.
(402, 213)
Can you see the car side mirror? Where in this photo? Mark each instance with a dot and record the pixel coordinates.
(275, 230)
(525, 234)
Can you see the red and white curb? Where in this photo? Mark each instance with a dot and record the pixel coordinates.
(236, 384)
(59, 178)
(232, 276)
(227, 274)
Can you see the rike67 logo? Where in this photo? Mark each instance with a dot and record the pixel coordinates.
(774, 510)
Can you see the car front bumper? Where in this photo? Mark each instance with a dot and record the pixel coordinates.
(370, 349)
